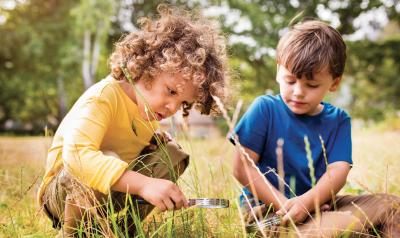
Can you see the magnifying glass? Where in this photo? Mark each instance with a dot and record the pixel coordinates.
(199, 202)
(267, 223)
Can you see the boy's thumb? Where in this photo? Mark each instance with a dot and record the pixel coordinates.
(285, 219)
(280, 212)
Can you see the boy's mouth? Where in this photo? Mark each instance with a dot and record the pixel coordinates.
(159, 116)
(297, 103)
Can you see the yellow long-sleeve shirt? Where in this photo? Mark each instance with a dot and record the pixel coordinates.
(103, 119)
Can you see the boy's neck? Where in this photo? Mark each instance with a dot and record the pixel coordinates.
(128, 89)
(317, 110)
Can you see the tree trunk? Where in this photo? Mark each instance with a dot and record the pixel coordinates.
(62, 98)
(87, 79)
(96, 51)
(91, 55)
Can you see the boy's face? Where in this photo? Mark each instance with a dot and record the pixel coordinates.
(165, 95)
(304, 96)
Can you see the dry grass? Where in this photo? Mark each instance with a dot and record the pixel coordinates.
(376, 156)
(22, 163)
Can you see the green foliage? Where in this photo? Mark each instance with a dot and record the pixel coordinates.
(372, 65)
(32, 56)
(373, 68)
(41, 51)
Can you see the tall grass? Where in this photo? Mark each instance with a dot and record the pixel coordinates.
(208, 175)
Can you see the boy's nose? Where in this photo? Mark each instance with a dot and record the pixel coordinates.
(298, 90)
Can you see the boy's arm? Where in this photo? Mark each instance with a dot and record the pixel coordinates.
(248, 176)
(327, 186)
(162, 193)
(330, 183)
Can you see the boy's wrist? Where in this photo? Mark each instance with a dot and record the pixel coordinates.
(282, 201)
(308, 201)
(130, 182)
(141, 184)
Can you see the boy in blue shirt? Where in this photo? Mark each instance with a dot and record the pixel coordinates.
(310, 62)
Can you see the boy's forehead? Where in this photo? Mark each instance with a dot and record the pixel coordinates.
(323, 71)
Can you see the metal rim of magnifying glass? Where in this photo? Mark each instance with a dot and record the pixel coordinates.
(199, 202)
(264, 224)
(209, 202)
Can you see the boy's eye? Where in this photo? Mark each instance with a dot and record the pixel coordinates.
(290, 82)
(171, 91)
(313, 86)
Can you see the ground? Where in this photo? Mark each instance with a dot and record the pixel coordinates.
(22, 161)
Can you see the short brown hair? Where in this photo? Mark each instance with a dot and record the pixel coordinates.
(309, 47)
(176, 42)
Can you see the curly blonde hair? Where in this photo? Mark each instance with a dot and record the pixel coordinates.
(176, 42)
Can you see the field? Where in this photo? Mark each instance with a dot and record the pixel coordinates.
(22, 160)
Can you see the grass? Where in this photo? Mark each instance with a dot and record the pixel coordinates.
(22, 162)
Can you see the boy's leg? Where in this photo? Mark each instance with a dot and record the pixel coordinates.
(376, 211)
(357, 215)
(167, 162)
(54, 205)
(66, 201)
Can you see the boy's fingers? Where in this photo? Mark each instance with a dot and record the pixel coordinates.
(167, 136)
(185, 203)
(280, 212)
(325, 207)
(285, 208)
(179, 198)
(164, 137)
(178, 201)
(160, 205)
(169, 204)
(285, 219)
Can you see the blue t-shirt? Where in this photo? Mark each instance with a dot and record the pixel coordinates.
(269, 119)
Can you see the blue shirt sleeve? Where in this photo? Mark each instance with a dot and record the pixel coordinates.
(342, 148)
(252, 127)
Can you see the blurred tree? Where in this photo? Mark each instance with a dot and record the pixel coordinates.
(43, 46)
(92, 24)
(32, 58)
(374, 70)
(51, 49)
(254, 31)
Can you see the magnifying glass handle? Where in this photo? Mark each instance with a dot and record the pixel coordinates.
(141, 201)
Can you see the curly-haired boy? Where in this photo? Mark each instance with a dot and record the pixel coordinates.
(173, 62)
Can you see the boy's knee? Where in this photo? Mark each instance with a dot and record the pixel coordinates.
(383, 201)
(331, 224)
(166, 159)
(390, 198)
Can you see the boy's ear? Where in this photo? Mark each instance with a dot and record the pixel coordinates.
(335, 85)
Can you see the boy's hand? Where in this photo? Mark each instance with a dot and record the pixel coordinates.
(163, 194)
(164, 137)
(297, 209)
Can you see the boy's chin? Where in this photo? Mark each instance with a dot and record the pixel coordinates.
(299, 111)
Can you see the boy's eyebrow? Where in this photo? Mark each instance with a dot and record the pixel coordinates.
(287, 73)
